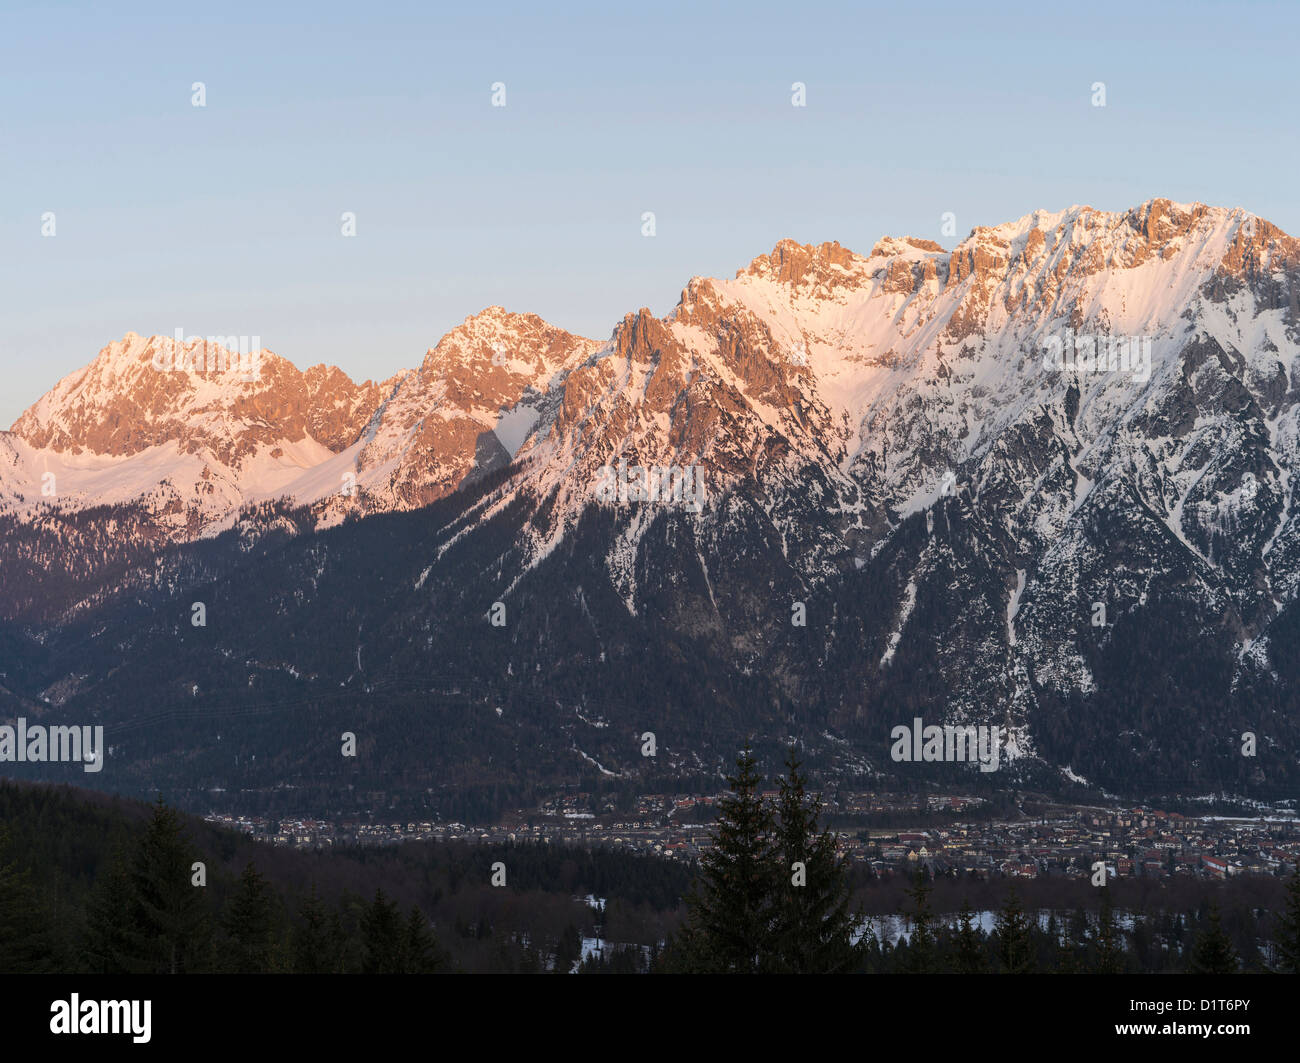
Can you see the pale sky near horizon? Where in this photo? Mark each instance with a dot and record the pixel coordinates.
(225, 219)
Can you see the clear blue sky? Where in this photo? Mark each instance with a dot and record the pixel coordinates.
(226, 219)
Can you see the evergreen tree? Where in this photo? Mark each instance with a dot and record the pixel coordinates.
(422, 953)
(250, 926)
(112, 936)
(1213, 952)
(872, 959)
(170, 922)
(920, 957)
(813, 929)
(568, 950)
(1287, 935)
(970, 957)
(316, 940)
(383, 937)
(729, 911)
(26, 944)
(1015, 944)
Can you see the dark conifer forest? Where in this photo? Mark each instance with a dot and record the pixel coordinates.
(102, 885)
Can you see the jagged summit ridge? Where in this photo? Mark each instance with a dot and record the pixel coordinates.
(821, 348)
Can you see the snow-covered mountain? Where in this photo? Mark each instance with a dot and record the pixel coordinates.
(190, 433)
(886, 372)
(185, 431)
(986, 481)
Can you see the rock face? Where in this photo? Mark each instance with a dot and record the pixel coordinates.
(466, 411)
(140, 393)
(1043, 480)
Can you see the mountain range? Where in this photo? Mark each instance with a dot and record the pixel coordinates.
(1041, 481)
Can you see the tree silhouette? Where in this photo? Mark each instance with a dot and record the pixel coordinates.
(1213, 952)
(1015, 945)
(730, 916)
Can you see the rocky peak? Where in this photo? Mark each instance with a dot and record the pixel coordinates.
(817, 267)
(468, 409)
(890, 246)
(141, 392)
(496, 348)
